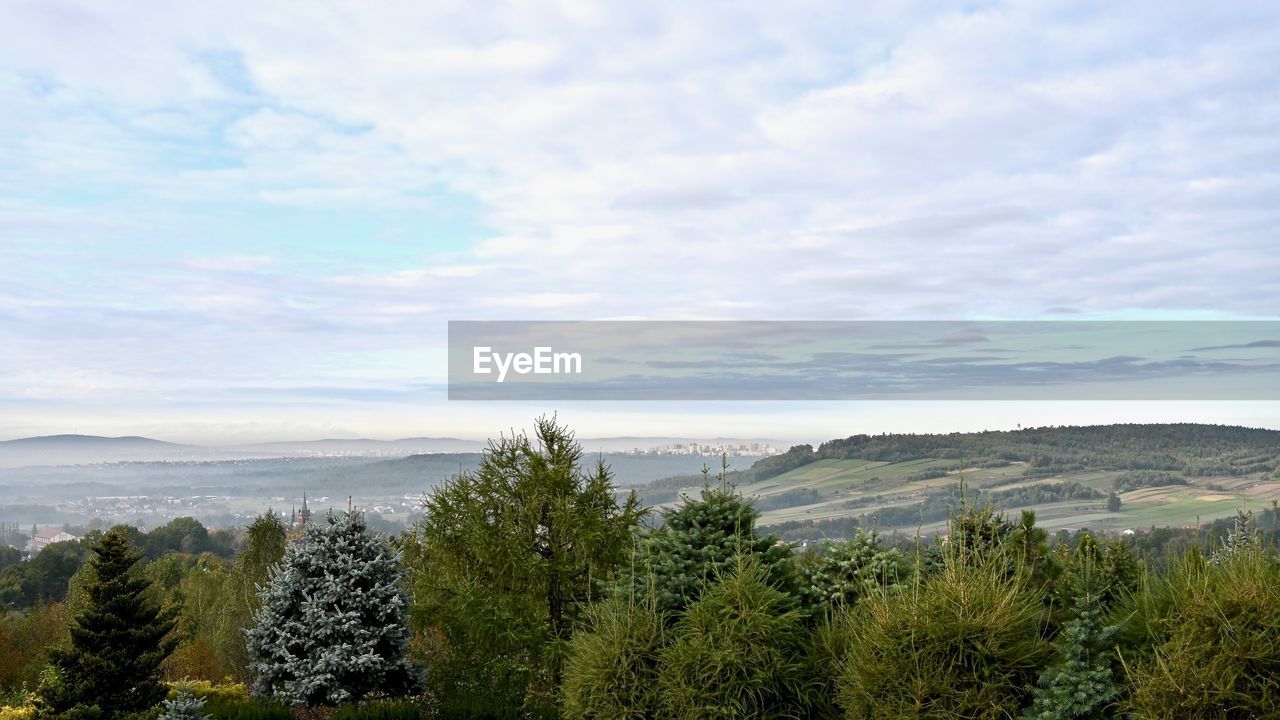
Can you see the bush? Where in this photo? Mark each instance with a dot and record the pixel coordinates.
(611, 670)
(966, 643)
(184, 707)
(1211, 646)
(383, 710)
(226, 692)
(19, 712)
(225, 709)
(738, 651)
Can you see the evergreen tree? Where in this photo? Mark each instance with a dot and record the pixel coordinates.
(118, 641)
(331, 628)
(845, 571)
(1080, 686)
(699, 541)
(738, 651)
(506, 560)
(184, 707)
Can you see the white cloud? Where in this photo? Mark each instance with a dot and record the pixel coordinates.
(756, 160)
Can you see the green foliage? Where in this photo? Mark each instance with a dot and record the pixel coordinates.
(252, 709)
(1206, 639)
(118, 641)
(506, 560)
(1080, 684)
(738, 651)
(184, 707)
(843, 572)
(611, 669)
(331, 628)
(44, 578)
(698, 541)
(384, 710)
(26, 641)
(1107, 566)
(223, 602)
(966, 642)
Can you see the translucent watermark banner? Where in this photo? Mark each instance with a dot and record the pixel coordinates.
(864, 360)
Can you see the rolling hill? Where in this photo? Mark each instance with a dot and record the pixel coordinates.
(1164, 475)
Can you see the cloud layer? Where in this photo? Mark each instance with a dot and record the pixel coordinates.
(204, 199)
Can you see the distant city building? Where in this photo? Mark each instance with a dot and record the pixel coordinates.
(46, 537)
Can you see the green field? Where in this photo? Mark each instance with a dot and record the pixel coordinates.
(859, 487)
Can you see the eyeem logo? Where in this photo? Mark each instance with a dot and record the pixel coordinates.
(541, 362)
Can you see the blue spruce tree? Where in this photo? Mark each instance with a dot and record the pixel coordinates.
(1080, 686)
(332, 627)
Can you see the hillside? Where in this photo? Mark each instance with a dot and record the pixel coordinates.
(1164, 475)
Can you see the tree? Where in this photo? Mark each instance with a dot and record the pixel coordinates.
(507, 558)
(738, 651)
(845, 571)
(967, 642)
(611, 667)
(118, 641)
(1113, 503)
(1080, 685)
(1206, 644)
(331, 628)
(238, 599)
(184, 707)
(700, 540)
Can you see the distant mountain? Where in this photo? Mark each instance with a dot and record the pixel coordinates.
(91, 449)
(97, 441)
(82, 449)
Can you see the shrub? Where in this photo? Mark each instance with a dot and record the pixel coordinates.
(19, 712)
(256, 709)
(184, 707)
(1212, 650)
(611, 670)
(225, 692)
(383, 710)
(737, 652)
(965, 643)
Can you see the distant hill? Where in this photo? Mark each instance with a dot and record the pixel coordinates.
(1171, 474)
(65, 441)
(80, 449)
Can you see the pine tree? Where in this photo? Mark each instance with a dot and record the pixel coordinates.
(118, 641)
(1080, 686)
(331, 627)
(699, 541)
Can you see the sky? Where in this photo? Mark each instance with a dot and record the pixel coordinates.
(252, 220)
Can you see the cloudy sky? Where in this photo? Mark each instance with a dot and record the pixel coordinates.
(242, 220)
